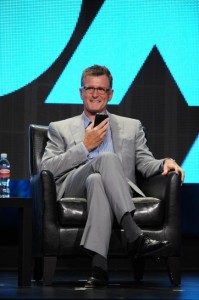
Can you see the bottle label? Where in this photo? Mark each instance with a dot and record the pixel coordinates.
(4, 173)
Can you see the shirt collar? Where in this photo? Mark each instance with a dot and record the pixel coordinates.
(86, 120)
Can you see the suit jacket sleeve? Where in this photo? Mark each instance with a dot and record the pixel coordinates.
(145, 161)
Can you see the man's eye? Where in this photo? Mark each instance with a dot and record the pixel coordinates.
(100, 89)
(89, 89)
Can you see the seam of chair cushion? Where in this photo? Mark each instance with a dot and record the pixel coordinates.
(135, 199)
(145, 200)
(75, 199)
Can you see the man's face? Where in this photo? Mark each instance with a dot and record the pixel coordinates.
(95, 101)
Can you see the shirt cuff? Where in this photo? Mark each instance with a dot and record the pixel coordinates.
(85, 149)
(161, 167)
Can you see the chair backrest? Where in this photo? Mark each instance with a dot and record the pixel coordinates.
(37, 143)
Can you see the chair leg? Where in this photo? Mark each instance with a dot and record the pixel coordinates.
(138, 267)
(38, 269)
(174, 270)
(49, 269)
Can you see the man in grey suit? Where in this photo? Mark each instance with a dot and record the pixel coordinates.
(99, 163)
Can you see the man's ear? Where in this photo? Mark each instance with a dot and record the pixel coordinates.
(110, 95)
(81, 93)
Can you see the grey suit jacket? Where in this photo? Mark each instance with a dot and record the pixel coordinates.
(64, 151)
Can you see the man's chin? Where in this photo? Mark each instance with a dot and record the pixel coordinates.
(94, 111)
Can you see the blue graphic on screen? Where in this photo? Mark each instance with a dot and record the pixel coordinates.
(122, 41)
(34, 34)
(37, 32)
(191, 163)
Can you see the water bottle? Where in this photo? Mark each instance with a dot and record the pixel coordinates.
(4, 176)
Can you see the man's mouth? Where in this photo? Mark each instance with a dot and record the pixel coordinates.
(95, 101)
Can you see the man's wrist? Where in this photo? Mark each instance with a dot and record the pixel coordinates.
(169, 158)
(162, 164)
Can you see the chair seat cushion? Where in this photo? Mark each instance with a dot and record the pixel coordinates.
(73, 211)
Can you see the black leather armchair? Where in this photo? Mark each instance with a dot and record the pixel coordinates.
(58, 224)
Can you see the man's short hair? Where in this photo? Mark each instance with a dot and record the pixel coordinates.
(97, 70)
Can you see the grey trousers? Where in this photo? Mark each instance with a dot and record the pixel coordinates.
(103, 183)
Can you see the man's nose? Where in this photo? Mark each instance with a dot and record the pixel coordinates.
(95, 93)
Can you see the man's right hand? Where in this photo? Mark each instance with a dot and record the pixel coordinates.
(94, 136)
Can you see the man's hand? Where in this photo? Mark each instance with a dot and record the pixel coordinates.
(95, 135)
(170, 164)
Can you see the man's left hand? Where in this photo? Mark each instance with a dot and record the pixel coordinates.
(171, 165)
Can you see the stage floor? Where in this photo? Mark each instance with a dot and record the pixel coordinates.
(70, 285)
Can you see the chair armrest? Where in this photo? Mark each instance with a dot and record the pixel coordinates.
(167, 188)
(45, 234)
(158, 185)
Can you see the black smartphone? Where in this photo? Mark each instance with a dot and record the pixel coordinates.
(99, 118)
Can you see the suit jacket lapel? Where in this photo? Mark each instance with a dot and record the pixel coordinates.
(77, 129)
(117, 135)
